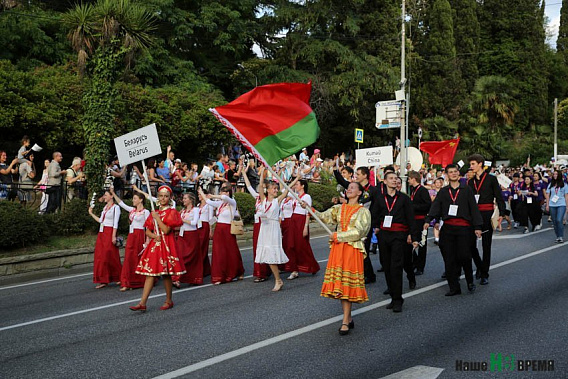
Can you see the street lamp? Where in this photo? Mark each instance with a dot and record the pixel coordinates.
(246, 69)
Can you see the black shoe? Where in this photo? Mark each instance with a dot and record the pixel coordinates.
(444, 275)
(352, 325)
(397, 308)
(471, 287)
(418, 272)
(412, 284)
(387, 291)
(484, 281)
(370, 280)
(390, 305)
(343, 332)
(453, 292)
(381, 269)
(478, 274)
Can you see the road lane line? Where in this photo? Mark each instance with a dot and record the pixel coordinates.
(86, 274)
(416, 372)
(309, 328)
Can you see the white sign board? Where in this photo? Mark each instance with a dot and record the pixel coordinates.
(388, 114)
(138, 145)
(374, 156)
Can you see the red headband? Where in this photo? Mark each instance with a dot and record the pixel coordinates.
(165, 188)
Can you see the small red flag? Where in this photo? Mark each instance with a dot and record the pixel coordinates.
(441, 152)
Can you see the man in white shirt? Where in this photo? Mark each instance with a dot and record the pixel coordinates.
(304, 155)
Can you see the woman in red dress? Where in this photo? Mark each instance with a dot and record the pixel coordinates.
(160, 257)
(300, 253)
(187, 244)
(137, 216)
(107, 265)
(226, 260)
(205, 220)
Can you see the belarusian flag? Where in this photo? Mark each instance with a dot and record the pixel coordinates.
(273, 121)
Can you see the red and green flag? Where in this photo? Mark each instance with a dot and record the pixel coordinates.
(273, 121)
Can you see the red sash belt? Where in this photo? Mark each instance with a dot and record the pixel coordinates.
(419, 217)
(396, 227)
(486, 207)
(457, 222)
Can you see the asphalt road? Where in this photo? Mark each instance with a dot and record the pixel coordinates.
(64, 328)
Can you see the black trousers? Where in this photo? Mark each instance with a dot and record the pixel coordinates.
(54, 199)
(482, 265)
(393, 246)
(419, 260)
(515, 210)
(367, 265)
(455, 245)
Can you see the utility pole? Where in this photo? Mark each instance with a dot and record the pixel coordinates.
(403, 137)
(555, 131)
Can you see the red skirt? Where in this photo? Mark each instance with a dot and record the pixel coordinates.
(203, 234)
(107, 265)
(301, 255)
(134, 245)
(226, 261)
(160, 258)
(190, 254)
(260, 270)
(287, 242)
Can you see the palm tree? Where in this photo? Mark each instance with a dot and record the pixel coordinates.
(109, 34)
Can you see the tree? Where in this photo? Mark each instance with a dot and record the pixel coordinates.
(466, 35)
(111, 33)
(562, 40)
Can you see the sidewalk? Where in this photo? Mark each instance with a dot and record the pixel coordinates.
(76, 261)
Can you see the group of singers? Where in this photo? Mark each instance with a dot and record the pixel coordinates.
(461, 212)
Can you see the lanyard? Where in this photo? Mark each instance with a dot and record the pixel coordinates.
(389, 208)
(105, 213)
(480, 183)
(414, 193)
(267, 209)
(134, 213)
(185, 211)
(221, 208)
(454, 198)
(296, 203)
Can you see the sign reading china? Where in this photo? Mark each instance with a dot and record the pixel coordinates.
(138, 145)
(374, 156)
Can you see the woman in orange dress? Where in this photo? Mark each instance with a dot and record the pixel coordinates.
(344, 276)
(160, 257)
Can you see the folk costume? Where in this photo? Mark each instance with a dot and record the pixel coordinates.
(301, 257)
(344, 275)
(107, 267)
(134, 246)
(189, 249)
(269, 249)
(260, 271)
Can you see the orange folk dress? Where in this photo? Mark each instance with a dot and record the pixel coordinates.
(344, 275)
(161, 258)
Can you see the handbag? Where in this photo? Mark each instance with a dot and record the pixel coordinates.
(237, 225)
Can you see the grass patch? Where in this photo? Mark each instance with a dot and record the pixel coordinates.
(55, 243)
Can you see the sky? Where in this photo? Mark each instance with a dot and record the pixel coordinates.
(552, 10)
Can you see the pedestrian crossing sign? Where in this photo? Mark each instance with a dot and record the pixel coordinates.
(359, 135)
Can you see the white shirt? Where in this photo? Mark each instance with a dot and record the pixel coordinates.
(303, 156)
(109, 217)
(287, 207)
(298, 208)
(206, 215)
(225, 209)
(256, 205)
(192, 217)
(137, 218)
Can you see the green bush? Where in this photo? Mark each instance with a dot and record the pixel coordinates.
(245, 202)
(73, 219)
(321, 195)
(20, 227)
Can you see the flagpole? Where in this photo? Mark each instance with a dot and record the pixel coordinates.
(295, 196)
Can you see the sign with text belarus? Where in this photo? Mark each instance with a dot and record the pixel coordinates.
(374, 156)
(138, 145)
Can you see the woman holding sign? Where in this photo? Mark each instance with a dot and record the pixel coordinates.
(160, 257)
(107, 267)
(137, 216)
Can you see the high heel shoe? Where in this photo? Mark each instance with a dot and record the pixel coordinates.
(138, 307)
(167, 306)
(344, 332)
(352, 325)
(293, 276)
(124, 289)
(102, 285)
(176, 285)
(278, 286)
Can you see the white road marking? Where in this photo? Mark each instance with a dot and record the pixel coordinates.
(515, 236)
(294, 333)
(416, 372)
(87, 274)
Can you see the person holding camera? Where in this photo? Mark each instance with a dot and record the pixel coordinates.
(107, 266)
